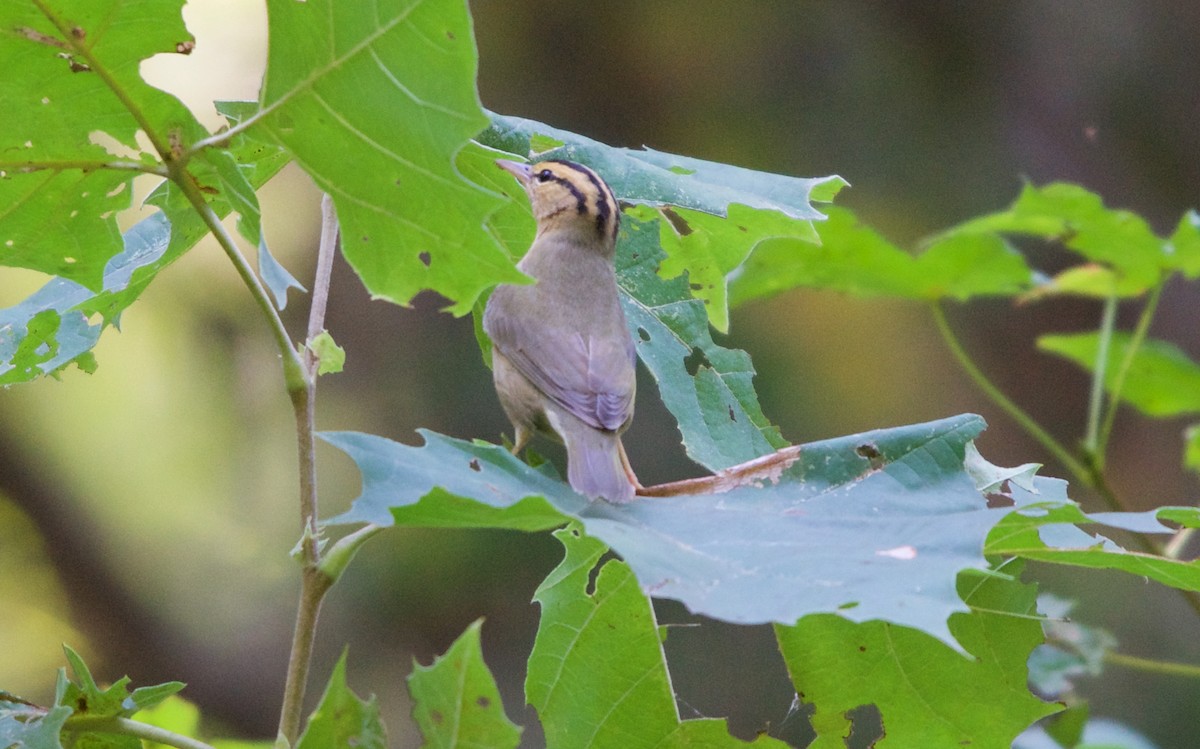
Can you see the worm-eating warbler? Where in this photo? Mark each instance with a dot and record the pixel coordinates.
(562, 358)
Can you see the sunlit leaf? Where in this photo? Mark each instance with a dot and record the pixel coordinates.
(71, 82)
(394, 87)
(60, 323)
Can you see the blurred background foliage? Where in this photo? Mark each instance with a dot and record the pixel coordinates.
(146, 511)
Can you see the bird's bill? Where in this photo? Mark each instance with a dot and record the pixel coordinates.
(523, 172)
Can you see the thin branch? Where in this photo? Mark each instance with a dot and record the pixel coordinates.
(1135, 343)
(128, 727)
(315, 582)
(1152, 666)
(1005, 403)
(292, 369)
(1096, 399)
(752, 472)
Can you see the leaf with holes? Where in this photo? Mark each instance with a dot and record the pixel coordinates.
(456, 699)
(584, 696)
(722, 211)
(71, 83)
(706, 387)
(869, 526)
(655, 178)
(52, 328)
(926, 693)
(394, 87)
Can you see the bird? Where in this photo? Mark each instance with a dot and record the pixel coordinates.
(563, 361)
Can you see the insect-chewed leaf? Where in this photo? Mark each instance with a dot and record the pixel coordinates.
(870, 526)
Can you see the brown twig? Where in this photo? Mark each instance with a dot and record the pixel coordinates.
(751, 473)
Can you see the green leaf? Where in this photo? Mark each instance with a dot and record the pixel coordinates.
(927, 694)
(1078, 218)
(342, 719)
(1191, 448)
(1183, 249)
(72, 70)
(51, 329)
(1047, 532)
(720, 213)
(870, 526)
(707, 388)
(457, 702)
(1087, 280)
(26, 727)
(1162, 380)
(86, 698)
(394, 87)
(330, 356)
(652, 177)
(708, 248)
(854, 259)
(586, 697)
(144, 698)
(276, 277)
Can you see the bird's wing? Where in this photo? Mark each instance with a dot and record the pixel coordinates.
(590, 376)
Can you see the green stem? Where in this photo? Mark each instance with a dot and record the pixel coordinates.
(315, 581)
(293, 370)
(127, 727)
(1135, 343)
(1005, 403)
(1152, 666)
(1096, 399)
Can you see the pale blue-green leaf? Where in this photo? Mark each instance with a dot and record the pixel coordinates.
(869, 526)
(657, 178)
(275, 276)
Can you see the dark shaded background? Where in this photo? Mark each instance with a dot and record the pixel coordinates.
(150, 506)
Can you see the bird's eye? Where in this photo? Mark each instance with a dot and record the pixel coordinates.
(545, 175)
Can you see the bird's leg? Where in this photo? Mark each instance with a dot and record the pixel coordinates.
(521, 438)
(633, 479)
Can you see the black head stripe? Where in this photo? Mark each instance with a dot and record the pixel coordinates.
(607, 215)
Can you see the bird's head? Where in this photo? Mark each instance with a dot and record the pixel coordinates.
(568, 197)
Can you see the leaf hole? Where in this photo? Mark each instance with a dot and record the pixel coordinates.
(425, 258)
(642, 332)
(474, 465)
(695, 360)
(870, 451)
(677, 222)
(483, 702)
(593, 576)
(866, 725)
(732, 415)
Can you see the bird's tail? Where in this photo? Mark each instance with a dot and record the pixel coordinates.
(595, 466)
